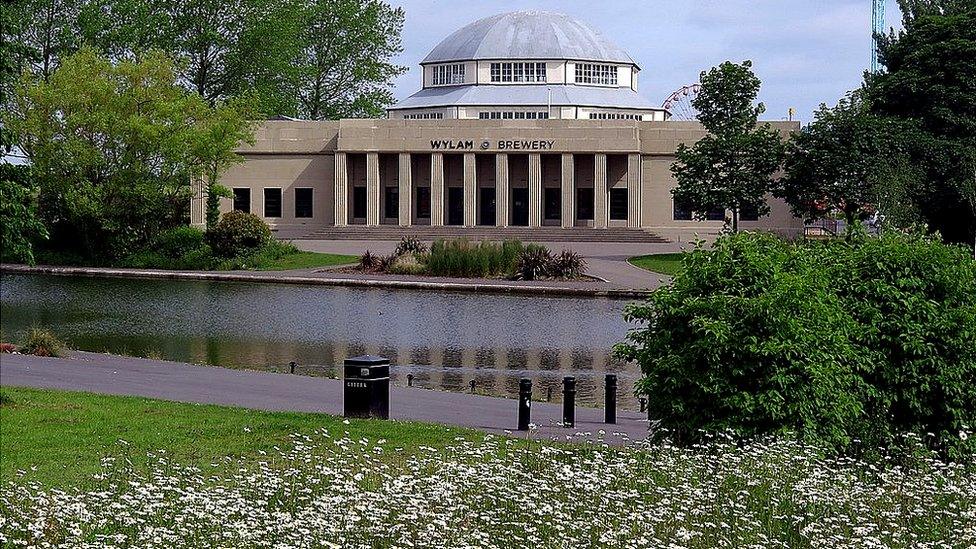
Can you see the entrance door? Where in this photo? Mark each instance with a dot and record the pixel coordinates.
(455, 205)
(553, 204)
(487, 206)
(520, 206)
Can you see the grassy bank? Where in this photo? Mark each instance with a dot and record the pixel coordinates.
(63, 435)
(205, 476)
(667, 264)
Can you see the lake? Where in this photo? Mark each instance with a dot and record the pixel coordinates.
(443, 340)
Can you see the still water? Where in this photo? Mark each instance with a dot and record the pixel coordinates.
(445, 340)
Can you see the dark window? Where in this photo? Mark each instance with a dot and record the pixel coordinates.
(272, 202)
(303, 202)
(584, 204)
(359, 202)
(618, 204)
(749, 212)
(242, 200)
(682, 211)
(553, 203)
(423, 202)
(392, 202)
(715, 214)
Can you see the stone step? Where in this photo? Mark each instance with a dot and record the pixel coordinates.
(539, 234)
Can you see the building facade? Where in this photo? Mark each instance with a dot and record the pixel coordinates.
(593, 155)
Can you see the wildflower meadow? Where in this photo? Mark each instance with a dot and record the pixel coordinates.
(329, 489)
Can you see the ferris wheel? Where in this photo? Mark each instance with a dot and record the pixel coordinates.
(679, 103)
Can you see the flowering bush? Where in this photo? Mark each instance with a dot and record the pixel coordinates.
(333, 491)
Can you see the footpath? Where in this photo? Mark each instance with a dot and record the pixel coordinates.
(118, 375)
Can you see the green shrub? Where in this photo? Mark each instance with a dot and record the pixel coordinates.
(567, 264)
(838, 341)
(41, 342)
(179, 242)
(237, 234)
(534, 262)
(410, 245)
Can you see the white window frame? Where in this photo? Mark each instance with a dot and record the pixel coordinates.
(595, 74)
(517, 72)
(449, 74)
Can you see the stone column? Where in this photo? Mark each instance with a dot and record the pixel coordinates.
(405, 191)
(501, 190)
(470, 191)
(341, 191)
(372, 189)
(568, 191)
(198, 204)
(601, 197)
(633, 190)
(535, 190)
(437, 189)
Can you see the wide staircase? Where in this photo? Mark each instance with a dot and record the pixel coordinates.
(537, 234)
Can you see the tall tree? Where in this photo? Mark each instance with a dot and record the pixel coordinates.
(20, 225)
(114, 147)
(45, 31)
(732, 167)
(839, 161)
(930, 82)
(346, 64)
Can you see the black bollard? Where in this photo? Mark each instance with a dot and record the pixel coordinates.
(525, 403)
(548, 394)
(610, 400)
(643, 402)
(472, 386)
(569, 401)
(410, 384)
(291, 366)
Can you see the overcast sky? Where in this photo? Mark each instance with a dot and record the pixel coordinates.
(805, 51)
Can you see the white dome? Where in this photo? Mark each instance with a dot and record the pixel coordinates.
(527, 35)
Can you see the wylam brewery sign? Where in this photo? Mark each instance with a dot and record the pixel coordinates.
(500, 144)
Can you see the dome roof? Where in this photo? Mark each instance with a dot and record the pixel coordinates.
(527, 35)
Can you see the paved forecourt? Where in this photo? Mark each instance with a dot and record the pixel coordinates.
(117, 375)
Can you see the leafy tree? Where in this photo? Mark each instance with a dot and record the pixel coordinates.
(346, 64)
(837, 341)
(114, 147)
(839, 162)
(930, 82)
(732, 167)
(20, 225)
(44, 31)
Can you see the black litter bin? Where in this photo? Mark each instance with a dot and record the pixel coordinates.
(366, 387)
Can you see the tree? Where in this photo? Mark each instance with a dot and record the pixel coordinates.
(45, 31)
(930, 82)
(732, 167)
(346, 68)
(838, 163)
(114, 147)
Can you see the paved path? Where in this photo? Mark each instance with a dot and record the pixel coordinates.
(606, 260)
(116, 375)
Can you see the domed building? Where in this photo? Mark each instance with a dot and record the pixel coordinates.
(528, 65)
(527, 125)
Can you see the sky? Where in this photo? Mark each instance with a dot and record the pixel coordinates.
(806, 52)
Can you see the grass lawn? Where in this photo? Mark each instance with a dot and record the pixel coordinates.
(668, 264)
(226, 477)
(65, 434)
(304, 260)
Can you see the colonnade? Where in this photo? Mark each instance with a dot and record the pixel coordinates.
(569, 207)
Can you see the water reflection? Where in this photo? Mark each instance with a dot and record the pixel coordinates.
(444, 340)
